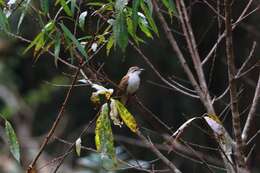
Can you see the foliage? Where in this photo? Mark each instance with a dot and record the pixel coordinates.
(12, 140)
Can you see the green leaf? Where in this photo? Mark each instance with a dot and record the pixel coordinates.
(12, 141)
(103, 134)
(120, 5)
(39, 41)
(120, 31)
(126, 116)
(109, 44)
(4, 25)
(82, 18)
(145, 28)
(73, 5)
(45, 6)
(135, 8)
(169, 4)
(57, 48)
(66, 8)
(74, 40)
(148, 15)
(26, 6)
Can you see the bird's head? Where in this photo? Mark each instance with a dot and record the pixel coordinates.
(135, 69)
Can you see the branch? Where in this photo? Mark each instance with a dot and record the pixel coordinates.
(192, 46)
(158, 153)
(239, 156)
(252, 113)
(240, 18)
(55, 124)
(175, 47)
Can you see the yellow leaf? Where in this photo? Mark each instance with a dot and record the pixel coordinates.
(126, 116)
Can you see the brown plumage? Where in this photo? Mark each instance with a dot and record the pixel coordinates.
(129, 84)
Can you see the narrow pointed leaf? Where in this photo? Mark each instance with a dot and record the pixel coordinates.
(57, 48)
(120, 31)
(136, 4)
(26, 6)
(149, 17)
(109, 44)
(66, 8)
(12, 140)
(4, 25)
(126, 116)
(74, 40)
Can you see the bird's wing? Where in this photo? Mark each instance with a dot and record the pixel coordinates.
(122, 85)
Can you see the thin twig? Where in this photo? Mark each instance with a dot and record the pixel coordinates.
(222, 36)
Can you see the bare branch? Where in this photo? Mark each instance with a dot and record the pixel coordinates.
(240, 18)
(239, 155)
(200, 91)
(55, 124)
(251, 114)
(158, 153)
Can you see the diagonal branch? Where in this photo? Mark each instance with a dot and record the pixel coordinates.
(252, 113)
(55, 124)
(201, 91)
(158, 153)
(192, 46)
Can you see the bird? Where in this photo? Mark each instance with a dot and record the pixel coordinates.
(129, 84)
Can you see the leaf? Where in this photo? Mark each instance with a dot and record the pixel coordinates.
(109, 44)
(57, 48)
(39, 41)
(78, 146)
(36, 41)
(82, 18)
(26, 6)
(144, 28)
(148, 15)
(120, 31)
(66, 8)
(45, 6)
(103, 134)
(73, 5)
(120, 5)
(74, 40)
(169, 4)
(4, 25)
(114, 113)
(126, 116)
(135, 7)
(12, 140)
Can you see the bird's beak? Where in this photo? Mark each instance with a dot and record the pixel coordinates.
(142, 69)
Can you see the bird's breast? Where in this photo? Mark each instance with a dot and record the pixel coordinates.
(133, 83)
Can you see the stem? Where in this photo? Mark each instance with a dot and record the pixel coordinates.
(55, 124)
